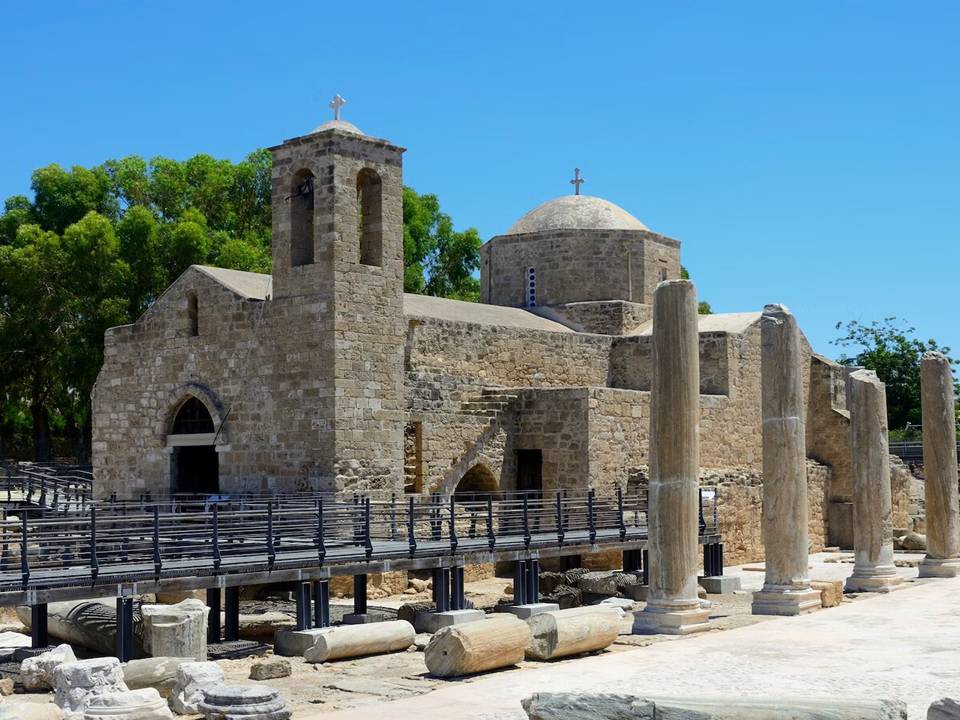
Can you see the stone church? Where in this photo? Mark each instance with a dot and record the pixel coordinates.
(325, 375)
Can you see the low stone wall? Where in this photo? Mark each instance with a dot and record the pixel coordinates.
(740, 508)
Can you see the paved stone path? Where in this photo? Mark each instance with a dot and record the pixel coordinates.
(905, 644)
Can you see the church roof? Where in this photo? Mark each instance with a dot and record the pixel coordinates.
(250, 285)
(256, 286)
(733, 323)
(479, 313)
(341, 125)
(576, 212)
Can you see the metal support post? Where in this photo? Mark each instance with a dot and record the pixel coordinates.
(520, 582)
(231, 611)
(39, 637)
(631, 560)
(302, 596)
(532, 591)
(321, 603)
(457, 599)
(360, 594)
(124, 646)
(213, 617)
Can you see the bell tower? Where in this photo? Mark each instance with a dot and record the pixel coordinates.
(338, 244)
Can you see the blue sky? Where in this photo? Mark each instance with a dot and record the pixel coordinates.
(804, 153)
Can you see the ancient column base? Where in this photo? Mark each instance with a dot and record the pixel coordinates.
(653, 621)
(939, 567)
(785, 601)
(872, 580)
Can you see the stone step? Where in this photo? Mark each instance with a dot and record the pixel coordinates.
(475, 405)
(504, 398)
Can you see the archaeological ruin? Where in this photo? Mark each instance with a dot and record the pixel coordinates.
(325, 376)
(276, 443)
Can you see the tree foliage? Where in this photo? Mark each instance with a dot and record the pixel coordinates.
(94, 247)
(438, 260)
(703, 307)
(891, 350)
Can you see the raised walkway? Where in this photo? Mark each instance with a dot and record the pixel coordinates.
(905, 645)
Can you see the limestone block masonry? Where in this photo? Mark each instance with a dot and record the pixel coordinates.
(325, 376)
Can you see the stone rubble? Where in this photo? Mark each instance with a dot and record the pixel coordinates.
(192, 679)
(143, 704)
(159, 673)
(77, 683)
(176, 630)
(243, 702)
(270, 668)
(36, 673)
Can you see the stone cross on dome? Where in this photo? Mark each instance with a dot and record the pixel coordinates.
(335, 105)
(577, 181)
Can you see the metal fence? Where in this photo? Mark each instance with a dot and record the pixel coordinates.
(100, 544)
(911, 452)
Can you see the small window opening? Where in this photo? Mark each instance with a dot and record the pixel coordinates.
(413, 457)
(370, 217)
(193, 314)
(531, 287)
(301, 219)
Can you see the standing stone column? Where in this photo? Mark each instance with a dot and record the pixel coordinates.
(940, 468)
(672, 603)
(786, 587)
(873, 569)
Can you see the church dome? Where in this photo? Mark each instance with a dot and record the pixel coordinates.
(341, 125)
(576, 212)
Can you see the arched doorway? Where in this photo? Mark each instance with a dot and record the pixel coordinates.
(477, 484)
(195, 467)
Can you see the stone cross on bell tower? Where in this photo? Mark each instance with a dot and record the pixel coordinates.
(335, 105)
(577, 181)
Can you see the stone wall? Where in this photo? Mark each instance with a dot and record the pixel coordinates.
(611, 317)
(828, 424)
(449, 362)
(242, 355)
(576, 265)
(303, 375)
(739, 502)
(631, 363)
(556, 422)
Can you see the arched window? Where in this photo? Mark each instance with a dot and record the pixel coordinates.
(301, 219)
(370, 217)
(192, 418)
(193, 315)
(476, 485)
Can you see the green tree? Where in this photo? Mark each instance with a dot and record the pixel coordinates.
(95, 247)
(703, 307)
(139, 235)
(890, 349)
(61, 198)
(34, 325)
(438, 260)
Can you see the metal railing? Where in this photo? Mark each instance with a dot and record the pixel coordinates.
(103, 543)
(63, 487)
(911, 451)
